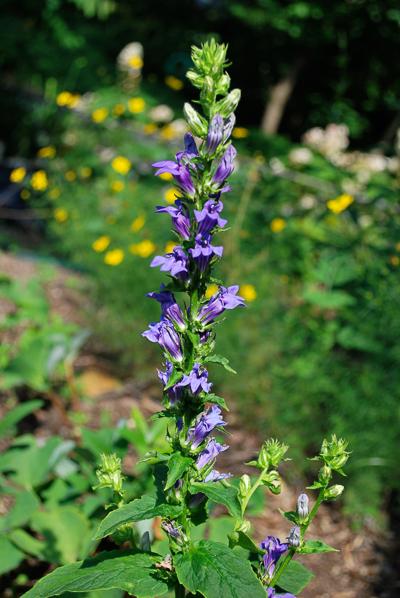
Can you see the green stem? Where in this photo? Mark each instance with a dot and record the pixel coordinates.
(179, 590)
(283, 563)
(256, 484)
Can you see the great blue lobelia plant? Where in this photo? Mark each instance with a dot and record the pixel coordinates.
(186, 479)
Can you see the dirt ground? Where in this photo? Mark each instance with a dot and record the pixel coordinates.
(354, 572)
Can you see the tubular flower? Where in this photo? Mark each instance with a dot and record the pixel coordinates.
(180, 218)
(210, 453)
(209, 217)
(226, 298)
(197, 380)
(274, 549)
(225, 167)
(175, 262)
(203, 251)
(205, 425)
(166, 336)
(169, 308)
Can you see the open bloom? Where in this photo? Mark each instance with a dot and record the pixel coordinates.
(216, 476)
(175, 262)
(197, 379)
(209, 217)
(180, 217)
(226, 298)
(166, 336)
(203, 251)
(174, 393)
(210, 453)
(205, 424)
(225, 167)
(169, 307)
(274, 549)
(180, 169)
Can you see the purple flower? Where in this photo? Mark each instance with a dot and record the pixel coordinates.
(174, 393)
(216, 476)
(215, 133)
(176, 263)
(274, 549)
(171, 529)
(197, 379)
(226, 298)
(180, 217)
(169, 307)
(210, 453)
(225, 167)
(203, 251)
(166, 336)
(271, 594)
(228, 126)
(294, 537)
(205, 425)
(180, 169)
(209, 217)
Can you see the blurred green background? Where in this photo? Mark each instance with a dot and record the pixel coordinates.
(91, 95)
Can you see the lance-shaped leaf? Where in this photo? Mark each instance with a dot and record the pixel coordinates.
(142, 508)
(214, 570)
(295, 578)
(218, 493)
(133, 573)
(316, 547)
(222, 361)
(177, 465)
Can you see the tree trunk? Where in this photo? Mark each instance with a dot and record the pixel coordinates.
(278, 98)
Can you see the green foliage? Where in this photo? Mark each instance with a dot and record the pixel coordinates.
(295, 578)
(213, 570)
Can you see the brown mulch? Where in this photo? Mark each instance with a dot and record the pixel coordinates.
(350, 573)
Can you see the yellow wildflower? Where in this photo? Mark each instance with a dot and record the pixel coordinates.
(168, 133)
(277, 225)
(240, 132)
(170, 246)
(118, 109)
(60, 214)
(138, 223)
(173, 82)
(39, 180)
(340, 203)
(136, 62)
(150, 128)
(121, 165)
(101, 243)
(394, 260)
(48, 151)
(85, 172)
(166, 176)
(248, 292)
(18, 174)
(25, 194)
(117, 186)
(54, 193)
(136, 105)
(66, 98)
(99, 115)
(143, 249)
(211, 290)
(171, 194)
(114, 257)
(70, 175)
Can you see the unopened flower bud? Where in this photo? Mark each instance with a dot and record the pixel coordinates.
(325, 474)
(333, 492)
(244, 485)
(303, 506)
(244, 526)
(196, 123)
(229, 104)
(294, 537)
(223, 84)
(109, 473)
(272, 480)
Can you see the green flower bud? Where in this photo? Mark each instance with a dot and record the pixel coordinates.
(244, 485)
(227, 105)
(272, 480)
(109, 473)
(244, 526)
(223, 84)
(325, 474)
(334, 452)
(333, 492)
(273, 452)
(197, 123)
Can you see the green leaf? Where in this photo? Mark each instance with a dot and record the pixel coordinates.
(177, 465)
(212, 398)
(244, 541)
(16, 414)
(66, 532)
(10, 555)
(24, 541)
(133, 573)
(316, 547)
(142, 508)
(173, 379)
(328, 299)
(222, 361)
(25, 504)
(290, 516)
(295, 578)
(220, 494)
(214, 570)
